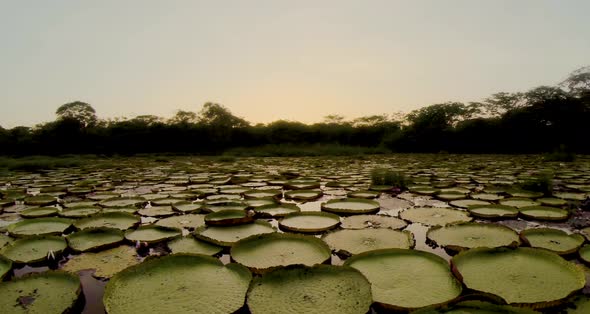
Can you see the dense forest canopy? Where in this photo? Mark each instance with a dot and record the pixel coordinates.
(539, 120)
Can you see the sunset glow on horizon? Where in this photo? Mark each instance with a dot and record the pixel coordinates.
(272, 60)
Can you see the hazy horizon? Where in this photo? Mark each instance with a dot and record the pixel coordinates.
(271, 60)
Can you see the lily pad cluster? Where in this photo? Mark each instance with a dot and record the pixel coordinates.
(301, 235)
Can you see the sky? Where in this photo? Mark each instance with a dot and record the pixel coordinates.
(270, 60)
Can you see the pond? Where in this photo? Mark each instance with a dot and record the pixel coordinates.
(415, 245)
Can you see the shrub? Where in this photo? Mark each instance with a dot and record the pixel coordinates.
(540, 183)
(384, 176)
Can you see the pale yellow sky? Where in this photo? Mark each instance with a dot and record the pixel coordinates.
(270, 60)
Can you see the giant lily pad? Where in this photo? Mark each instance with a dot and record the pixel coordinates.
(34, 249)
(527, 276)
(36, 212)
(123, 202)
(350, 206)
(79, 212)
(194, 246)
(263, 193)
(319, 289)
(544, 213)
(187, 207)
(584, 253)
(5, 266)
(493, 211)
(303, 195)
(41, 200)
(178, 283)
(157, 211)
(227, 236)
(94, 239)
(372, 221)
(151, 234)
(518, 202)
(47, 292)
(554, 240)
(261, 253)
(39, 226)
(277, 210)
(309, 222)
(468, 235)
(468, 203)
(228, 218)
(349, 242)
(121, 221)
(190, 221)
(105, 263)
(434, 216)
(407, 279)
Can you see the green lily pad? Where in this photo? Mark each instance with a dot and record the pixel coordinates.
(151, 234)
(450, 196)
(407, 279)
(581, 305)
(5, 266)
(572, 196)
(544, 213)
(105, 263)
(39, 226)
(228, 218)
(47, 292)
(34, 249)
(303, 195)
(348, 241)
(193, 246)
(468, 203)
(258, 202)
(523, 276)
(178, 283)
(493, 211)
(123, 202)
(551, 201)
(459, 237)
(261, 253)
(486, 197)
(41, 200)
(190, 221)
(320, 289)
(79, 212)
(263, 193)
(554, 240)
(121, 221)
(372, 221)
(350, 206)
(363, 194)
(435, 216)
(309, 222)
(518, 202)
(277, 210)
(525, 194)
(93, 239)
(227, 236)
(157, 211)
(37, 212)
(584, 253)
(187, 207)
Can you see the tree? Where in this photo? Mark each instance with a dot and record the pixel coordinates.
(578, 82)
(439, 116)
(217, 115)
(334, 119)
(78, 111)
(184, 117)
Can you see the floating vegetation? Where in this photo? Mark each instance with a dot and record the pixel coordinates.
(319, 289)
(125, 211)
(522, 276)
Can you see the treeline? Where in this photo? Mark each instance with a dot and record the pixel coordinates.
(542, 119)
